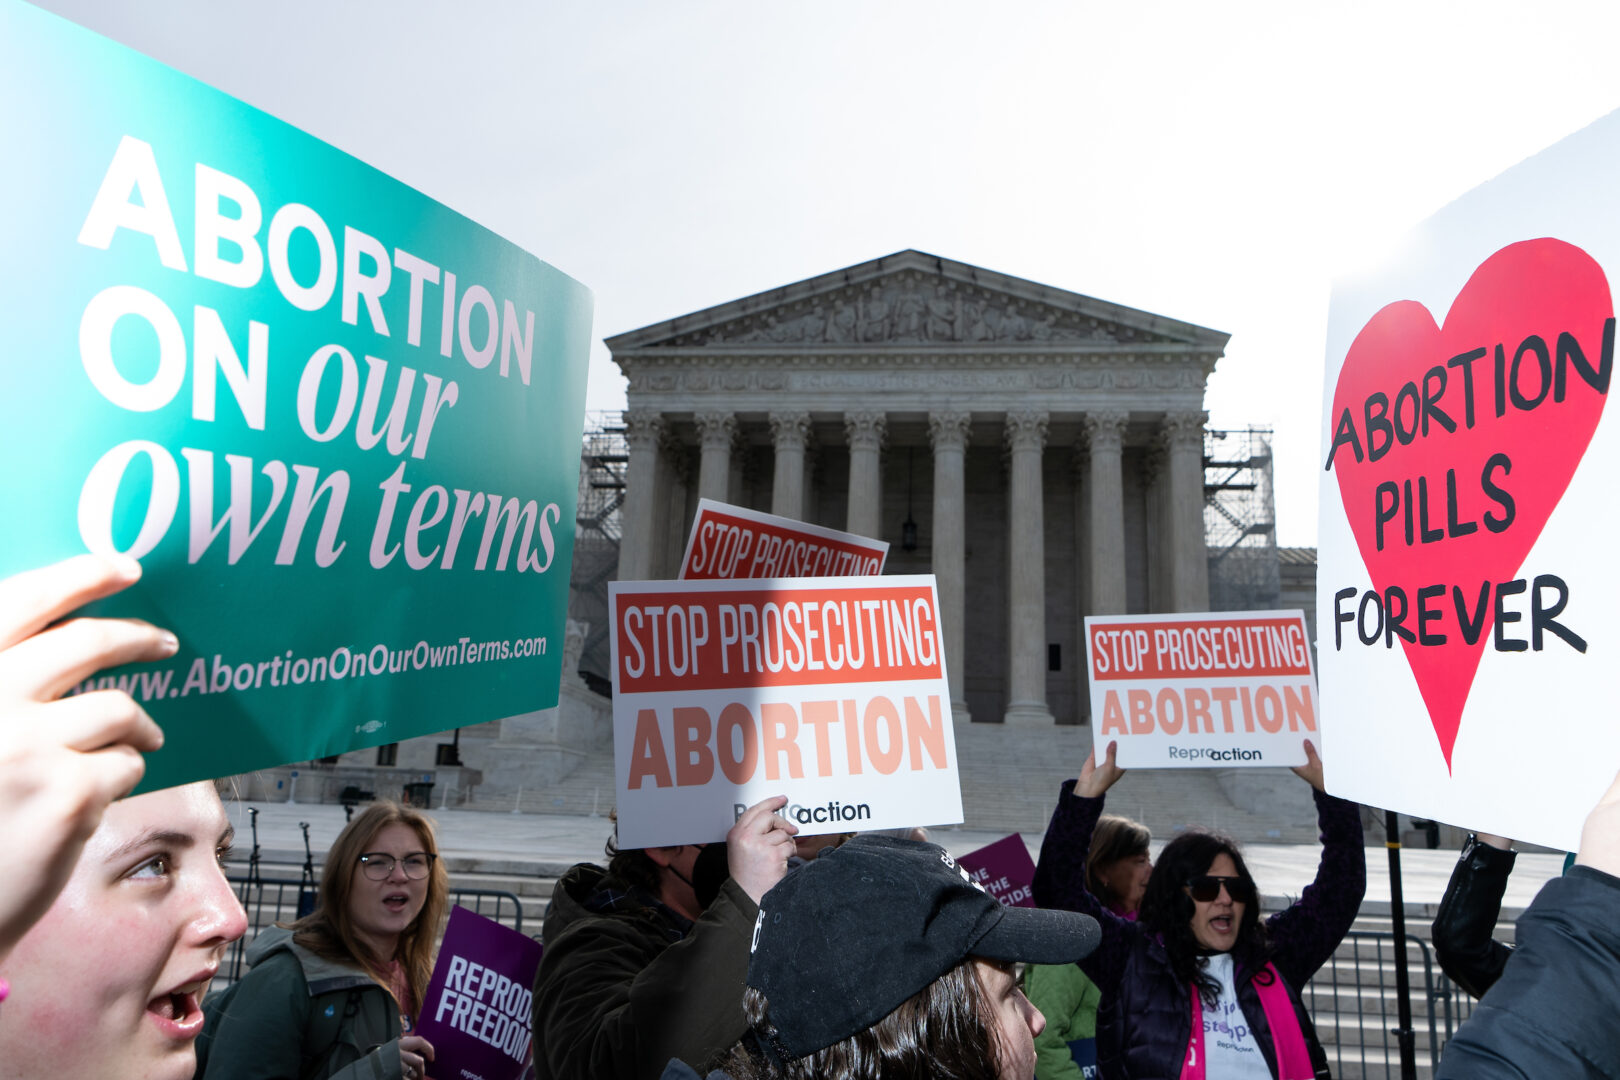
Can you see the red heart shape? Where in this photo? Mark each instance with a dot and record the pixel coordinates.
(1538, 291)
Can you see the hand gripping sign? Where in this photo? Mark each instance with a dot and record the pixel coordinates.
(830, 691)
(734, 542)
(337, 422)
(1467, 581)
(1208, 689)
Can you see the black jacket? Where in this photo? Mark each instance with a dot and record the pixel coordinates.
(1467, 918)
(1555, 1011)
(1146, 1018)
(626, 984)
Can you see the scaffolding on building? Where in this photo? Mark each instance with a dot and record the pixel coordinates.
(604, 457)
(1239, 526)
(1240, 520)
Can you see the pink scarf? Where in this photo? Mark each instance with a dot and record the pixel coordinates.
(1293, 1060)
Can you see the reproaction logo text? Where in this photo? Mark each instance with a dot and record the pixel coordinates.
(1210, 753)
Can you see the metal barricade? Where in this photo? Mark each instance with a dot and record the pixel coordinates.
(272, 900)
(1352, 1001)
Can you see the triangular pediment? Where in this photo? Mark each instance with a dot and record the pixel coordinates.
(915, 299)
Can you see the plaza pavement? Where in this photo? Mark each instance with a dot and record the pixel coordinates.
(546, 844)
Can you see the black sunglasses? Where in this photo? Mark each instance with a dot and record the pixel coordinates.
(1206, 887)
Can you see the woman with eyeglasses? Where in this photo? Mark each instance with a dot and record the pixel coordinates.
(335, 995)
(1199, 987)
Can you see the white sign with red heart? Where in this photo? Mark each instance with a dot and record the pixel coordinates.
(1468, 600)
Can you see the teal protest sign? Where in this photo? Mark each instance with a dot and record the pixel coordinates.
(338, 423)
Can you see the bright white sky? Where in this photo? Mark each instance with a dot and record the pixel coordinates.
(1216, 163)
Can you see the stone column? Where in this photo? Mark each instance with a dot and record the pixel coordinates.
(1026, 555)
(1152, 478)
(1187, 550)
(643, 429)
(672, 511)
(948, 432)
(1106, 492)
(865, 431)
(1081, 465)
(716, 432)
(789, 430)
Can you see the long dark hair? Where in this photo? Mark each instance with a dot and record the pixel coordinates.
(1168, 911)
(942, 1032)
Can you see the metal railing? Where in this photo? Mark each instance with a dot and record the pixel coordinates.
(1352, 1001)
(272, 900)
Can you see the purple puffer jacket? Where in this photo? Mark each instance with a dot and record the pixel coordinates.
(1147, 1016)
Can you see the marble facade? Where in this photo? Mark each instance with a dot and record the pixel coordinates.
(1047, 446)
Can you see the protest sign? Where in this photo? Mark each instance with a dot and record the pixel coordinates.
(735, 542)
(1229, 688)
(338, 423)
(830, 691)
(1004, 869)
(476, 1012)
(1467, 588)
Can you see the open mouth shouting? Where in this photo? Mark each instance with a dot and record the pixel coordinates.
(178, 1013)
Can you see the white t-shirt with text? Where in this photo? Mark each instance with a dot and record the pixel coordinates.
(1230, 1049)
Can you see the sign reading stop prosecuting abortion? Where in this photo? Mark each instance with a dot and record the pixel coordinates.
(337, 422)
(830, 691)
(1231, 688)
(735, 542)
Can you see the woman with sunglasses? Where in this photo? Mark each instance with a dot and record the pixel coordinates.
(335, 995)
(1199, 987)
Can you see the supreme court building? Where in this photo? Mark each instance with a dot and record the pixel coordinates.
(1041, 452)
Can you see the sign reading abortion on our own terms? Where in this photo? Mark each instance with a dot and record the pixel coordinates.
(734, 542)
(830, 691)
(477, 1009)
(338, 423)
(1004, 869)
(1467, 584)
(1228, 688)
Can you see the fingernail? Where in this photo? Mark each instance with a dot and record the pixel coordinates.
(171, 644)
(128, 569)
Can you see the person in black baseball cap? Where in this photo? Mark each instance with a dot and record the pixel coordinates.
(882, 960)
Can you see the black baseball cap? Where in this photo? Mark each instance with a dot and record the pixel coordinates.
(847, 938)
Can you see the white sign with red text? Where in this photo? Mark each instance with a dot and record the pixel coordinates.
(830, 691)
(734, 542)
(1227, 688)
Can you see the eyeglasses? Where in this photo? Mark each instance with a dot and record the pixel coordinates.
(1206, 887)
(378, 865)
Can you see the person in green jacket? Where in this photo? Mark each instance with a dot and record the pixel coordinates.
(1117, 871)
(335, 995)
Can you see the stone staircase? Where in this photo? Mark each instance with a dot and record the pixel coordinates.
(1010, 781)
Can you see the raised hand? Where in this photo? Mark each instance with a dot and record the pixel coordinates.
(1096, 779)
(62, 760)
(1311, 771)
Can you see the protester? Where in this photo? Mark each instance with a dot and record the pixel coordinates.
(1552, 1011)
(335, 995)
(883, 960)
(1117, 871)
(1198, 987)
(1466, 921)
(637, 970)
(62, 760)
(106, 984)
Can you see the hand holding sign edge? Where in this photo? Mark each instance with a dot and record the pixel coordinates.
(1095, 780)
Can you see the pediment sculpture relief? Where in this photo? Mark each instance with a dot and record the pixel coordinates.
(914, 311)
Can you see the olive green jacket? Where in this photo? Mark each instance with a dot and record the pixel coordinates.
(297, 1016)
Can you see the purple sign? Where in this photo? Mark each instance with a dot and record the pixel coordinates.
(478, 1003)
(1005, 869)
